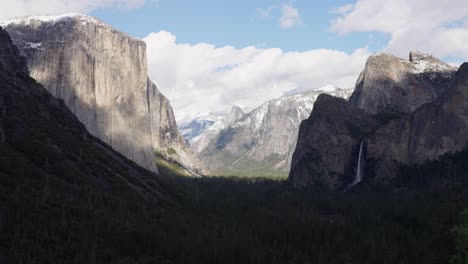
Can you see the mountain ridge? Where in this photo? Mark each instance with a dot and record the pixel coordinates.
(261, 142)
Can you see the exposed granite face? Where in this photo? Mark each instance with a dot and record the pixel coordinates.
(328, 144)
(165, 133)
(42, 140)
(327, 149)
(432, 130)
(390, 84)
(98, 72)
(101, 74)
(262, 142)
(236, 114)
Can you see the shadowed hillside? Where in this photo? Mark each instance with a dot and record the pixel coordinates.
(61, 188)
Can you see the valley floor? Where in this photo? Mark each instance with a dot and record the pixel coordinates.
(233, 220)
(236, 221)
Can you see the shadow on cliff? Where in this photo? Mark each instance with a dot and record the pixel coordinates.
(115, 127)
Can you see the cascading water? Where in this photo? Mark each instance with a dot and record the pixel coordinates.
(359, 172)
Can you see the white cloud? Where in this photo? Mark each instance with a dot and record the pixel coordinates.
(434, 26)
(289, 17)
(266, 12)
(204, 78)
(16, 8)
(342, 9)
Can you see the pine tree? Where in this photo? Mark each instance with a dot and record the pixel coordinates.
(460, 234)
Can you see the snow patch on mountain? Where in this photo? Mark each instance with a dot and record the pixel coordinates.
(263, 140)
(303, 101)
(427, 63)
(191, 129)
(200, 130)
(51, 19)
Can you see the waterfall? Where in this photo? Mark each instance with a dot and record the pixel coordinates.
(359, 164)
(359, 172)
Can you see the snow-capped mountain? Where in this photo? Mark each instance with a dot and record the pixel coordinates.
(196, 126)
(262, 141)
(209, 126)
(327, 88)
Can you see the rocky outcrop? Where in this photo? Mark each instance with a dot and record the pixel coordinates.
(101, 74)
(431, 131)
(261, 143)
(328, 143)
(236, 114)
(43, 142)
(165, 133)
(393, 85)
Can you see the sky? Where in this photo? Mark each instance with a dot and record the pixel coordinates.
(207, 55)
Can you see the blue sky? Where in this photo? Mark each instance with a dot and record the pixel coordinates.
(208, 55)
(242, 23)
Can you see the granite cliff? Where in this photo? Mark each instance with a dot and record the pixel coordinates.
(393, 85)
(328, 141)
(400, 116)
(101, 74)
(59, 182)
(432, 130)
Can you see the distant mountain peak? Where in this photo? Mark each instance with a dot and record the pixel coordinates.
(193, 129)
(236, 113)
(261, 142)
(326, 89)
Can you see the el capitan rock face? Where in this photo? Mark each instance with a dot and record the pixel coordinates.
(389, 84)
(41, 140)
(101, 74)
(59, 182)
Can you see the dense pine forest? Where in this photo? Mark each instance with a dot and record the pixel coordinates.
(415, 219)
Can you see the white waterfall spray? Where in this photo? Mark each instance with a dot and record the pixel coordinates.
(359, 172)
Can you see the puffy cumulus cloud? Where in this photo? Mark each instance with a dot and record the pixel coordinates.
(289, 17)
(434, 26)
(16, 8)
(203, 78)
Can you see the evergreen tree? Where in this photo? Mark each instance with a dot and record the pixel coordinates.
(460, 234)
